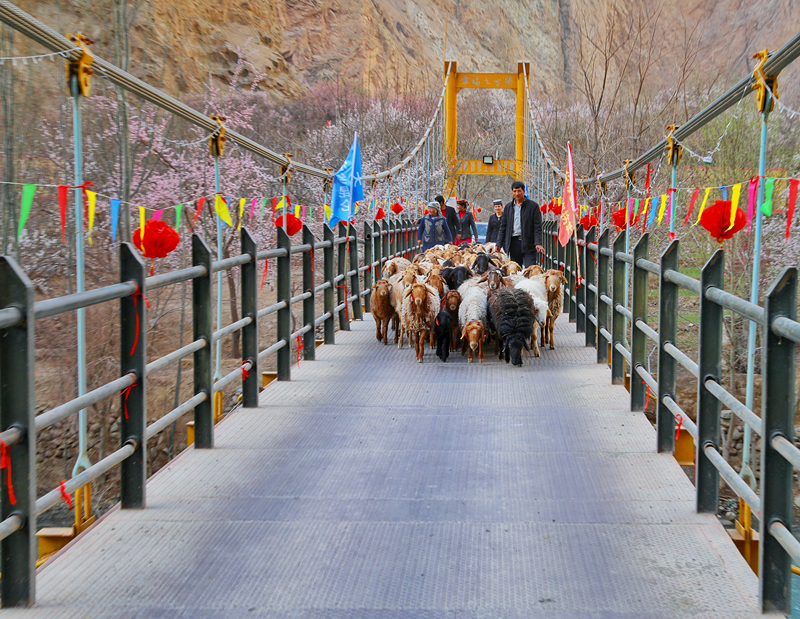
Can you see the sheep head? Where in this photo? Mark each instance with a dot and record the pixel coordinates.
(512, 268)
(513, 346)
(381, 288)
(532, 270)
(553, 280)
(418, 293)
(452, 300)
(436, 281)
(540, 311)
(495, 279)
(473, 333)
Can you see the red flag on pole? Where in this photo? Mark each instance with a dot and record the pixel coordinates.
(567, 226)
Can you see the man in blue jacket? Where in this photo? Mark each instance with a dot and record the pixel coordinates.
(520, 233)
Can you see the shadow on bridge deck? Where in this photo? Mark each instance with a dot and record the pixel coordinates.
(373, 486)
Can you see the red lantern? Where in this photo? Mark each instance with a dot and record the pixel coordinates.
(588, 222)
(380, 213)
(620, 219)
(544, 208)
(555, 208)
(159, 239)
(397, 208)
(480, 210)
(717, 218)
(293, 224)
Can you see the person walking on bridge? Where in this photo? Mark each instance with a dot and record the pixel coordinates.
(433, 228)
(520, 231)
(467, 230)
(493, 228)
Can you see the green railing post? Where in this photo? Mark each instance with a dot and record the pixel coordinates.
(17, 409)
(667, 334)
(133, 359)
(284, 289)
(618, 274)
(377, 249)
(603, 268)
(203, 328)
(309, 304)
(589, 295)
(385, 235)
(368, 280)
(639, 312)
(342, 291)
(393, 227)
(329, 295)
(355, 280)
(709, 362)
(580, 291)
(250, 309)
(777, 406)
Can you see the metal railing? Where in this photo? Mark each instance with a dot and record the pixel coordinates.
(599, 307)
(342, 298)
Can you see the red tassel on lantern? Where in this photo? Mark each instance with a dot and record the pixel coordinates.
(380, 213)
(293, 224)
(620, 219)
(717, 218)
(159, 239)
(555, 208)
(397, 208)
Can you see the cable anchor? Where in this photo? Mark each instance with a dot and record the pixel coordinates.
(763, 82)
(83, 67)
(630, 177)
(216, 143)
(674, 150)
(286, 170)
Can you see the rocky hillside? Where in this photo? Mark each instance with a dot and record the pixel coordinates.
(401, 44)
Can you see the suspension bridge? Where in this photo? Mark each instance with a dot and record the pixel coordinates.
(360, 483)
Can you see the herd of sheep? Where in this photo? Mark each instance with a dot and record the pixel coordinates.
(464, 297)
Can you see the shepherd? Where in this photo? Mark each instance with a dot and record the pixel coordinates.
(520, 232)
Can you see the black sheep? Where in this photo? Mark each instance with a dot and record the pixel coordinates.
(481, 264)
(512, 313)
(455, 277)
(441, 330)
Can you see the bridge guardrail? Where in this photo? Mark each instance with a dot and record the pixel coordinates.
(605, 271)
(342, 272)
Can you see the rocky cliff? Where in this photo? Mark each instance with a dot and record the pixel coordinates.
(401, 44)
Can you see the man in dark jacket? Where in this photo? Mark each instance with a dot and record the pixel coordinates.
(451, 215)
(493, 228)
(520, 232)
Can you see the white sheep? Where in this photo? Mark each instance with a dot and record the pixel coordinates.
(473, 305)
(538, 292)
(394, 266)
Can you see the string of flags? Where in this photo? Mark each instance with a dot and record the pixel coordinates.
(223, 207)
(730, 210)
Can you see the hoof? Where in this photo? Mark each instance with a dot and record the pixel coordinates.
(419, 360)
(552, 348)
(470, 360)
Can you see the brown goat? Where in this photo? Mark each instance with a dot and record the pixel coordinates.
(381, 308)
(452, 301)
(473, 339)
(553, 283)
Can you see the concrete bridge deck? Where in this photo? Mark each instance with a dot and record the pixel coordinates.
(373, 486)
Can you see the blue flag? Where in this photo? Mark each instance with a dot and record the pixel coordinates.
(114, 218)
(348, 186)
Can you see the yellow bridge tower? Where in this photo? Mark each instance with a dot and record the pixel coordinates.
(457, 81)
